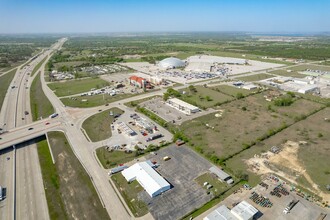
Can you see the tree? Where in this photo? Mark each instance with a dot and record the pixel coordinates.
(239, 95)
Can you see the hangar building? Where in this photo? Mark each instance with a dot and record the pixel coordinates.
(148, 178)
(171, 62)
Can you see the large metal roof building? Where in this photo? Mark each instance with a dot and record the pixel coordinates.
(148, 178)
(171, 62)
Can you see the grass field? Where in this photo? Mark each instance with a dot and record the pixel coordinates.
(310, 66)
(130, 191)
(72, 87)
(231, 90)
(70, 182)
(255, 77)
(97, 126)
(111, 159)
(35, 69)
(92, 101)
(134, 103)
(51, 180)
(298, 109)
(314, 156)
(204, 97)
(40, 105)
(218, 187)
(5, 83)
(288, 74)
(236, 128)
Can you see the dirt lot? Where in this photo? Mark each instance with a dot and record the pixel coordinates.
(310, 167)
(290, 166)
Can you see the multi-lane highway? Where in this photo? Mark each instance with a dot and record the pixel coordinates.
(29, 201)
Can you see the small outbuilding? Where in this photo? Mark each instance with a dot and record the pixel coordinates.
(223, 176)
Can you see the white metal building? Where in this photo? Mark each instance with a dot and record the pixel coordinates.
(182, 106)
(223, 176)
(221, 213)
(148, 178)
(244, 211)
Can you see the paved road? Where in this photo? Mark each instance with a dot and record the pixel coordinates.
(6, 180)
(30, 202)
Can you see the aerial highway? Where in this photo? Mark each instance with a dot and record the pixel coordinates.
(29, 201)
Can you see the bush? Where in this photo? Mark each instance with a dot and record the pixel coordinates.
(285, 101)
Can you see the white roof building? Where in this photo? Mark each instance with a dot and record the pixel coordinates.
(244, 211)
(221, 213)
(171, 62)
(182, 106)
(148, 178)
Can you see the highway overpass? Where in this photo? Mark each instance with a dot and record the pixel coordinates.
(28, 132)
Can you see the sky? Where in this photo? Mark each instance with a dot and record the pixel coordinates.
(106, 16)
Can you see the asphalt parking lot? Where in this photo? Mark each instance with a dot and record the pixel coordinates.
(158, 106)
(122, 138)
(180, 171)
(303, 210)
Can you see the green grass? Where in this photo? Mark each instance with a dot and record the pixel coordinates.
(135, 103)
(310, 66)
(255, 77)
(35, 69)
(199, 98)
(97, 126)
(130, 191)
(93, 101)
(5, 83)
(218, 187)
(73, 87)
(231, 90)
(51, 180)
(112, 159)
(72, 184)
(212, 203)
(243, 122)
(40, 105)
(288, 74)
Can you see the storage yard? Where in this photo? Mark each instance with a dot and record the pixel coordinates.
(271, 197)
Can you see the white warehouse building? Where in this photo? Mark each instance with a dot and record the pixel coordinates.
(148, 178)
(182, 106)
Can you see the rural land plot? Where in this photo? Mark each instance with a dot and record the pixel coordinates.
(256, 77)
(97, 126)
(313, 156)
(93, 101)
(73, 87)
(243, 121)
(231, 90)
(288, 74)
(204, 97)
(111, 159)
(70, 182)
